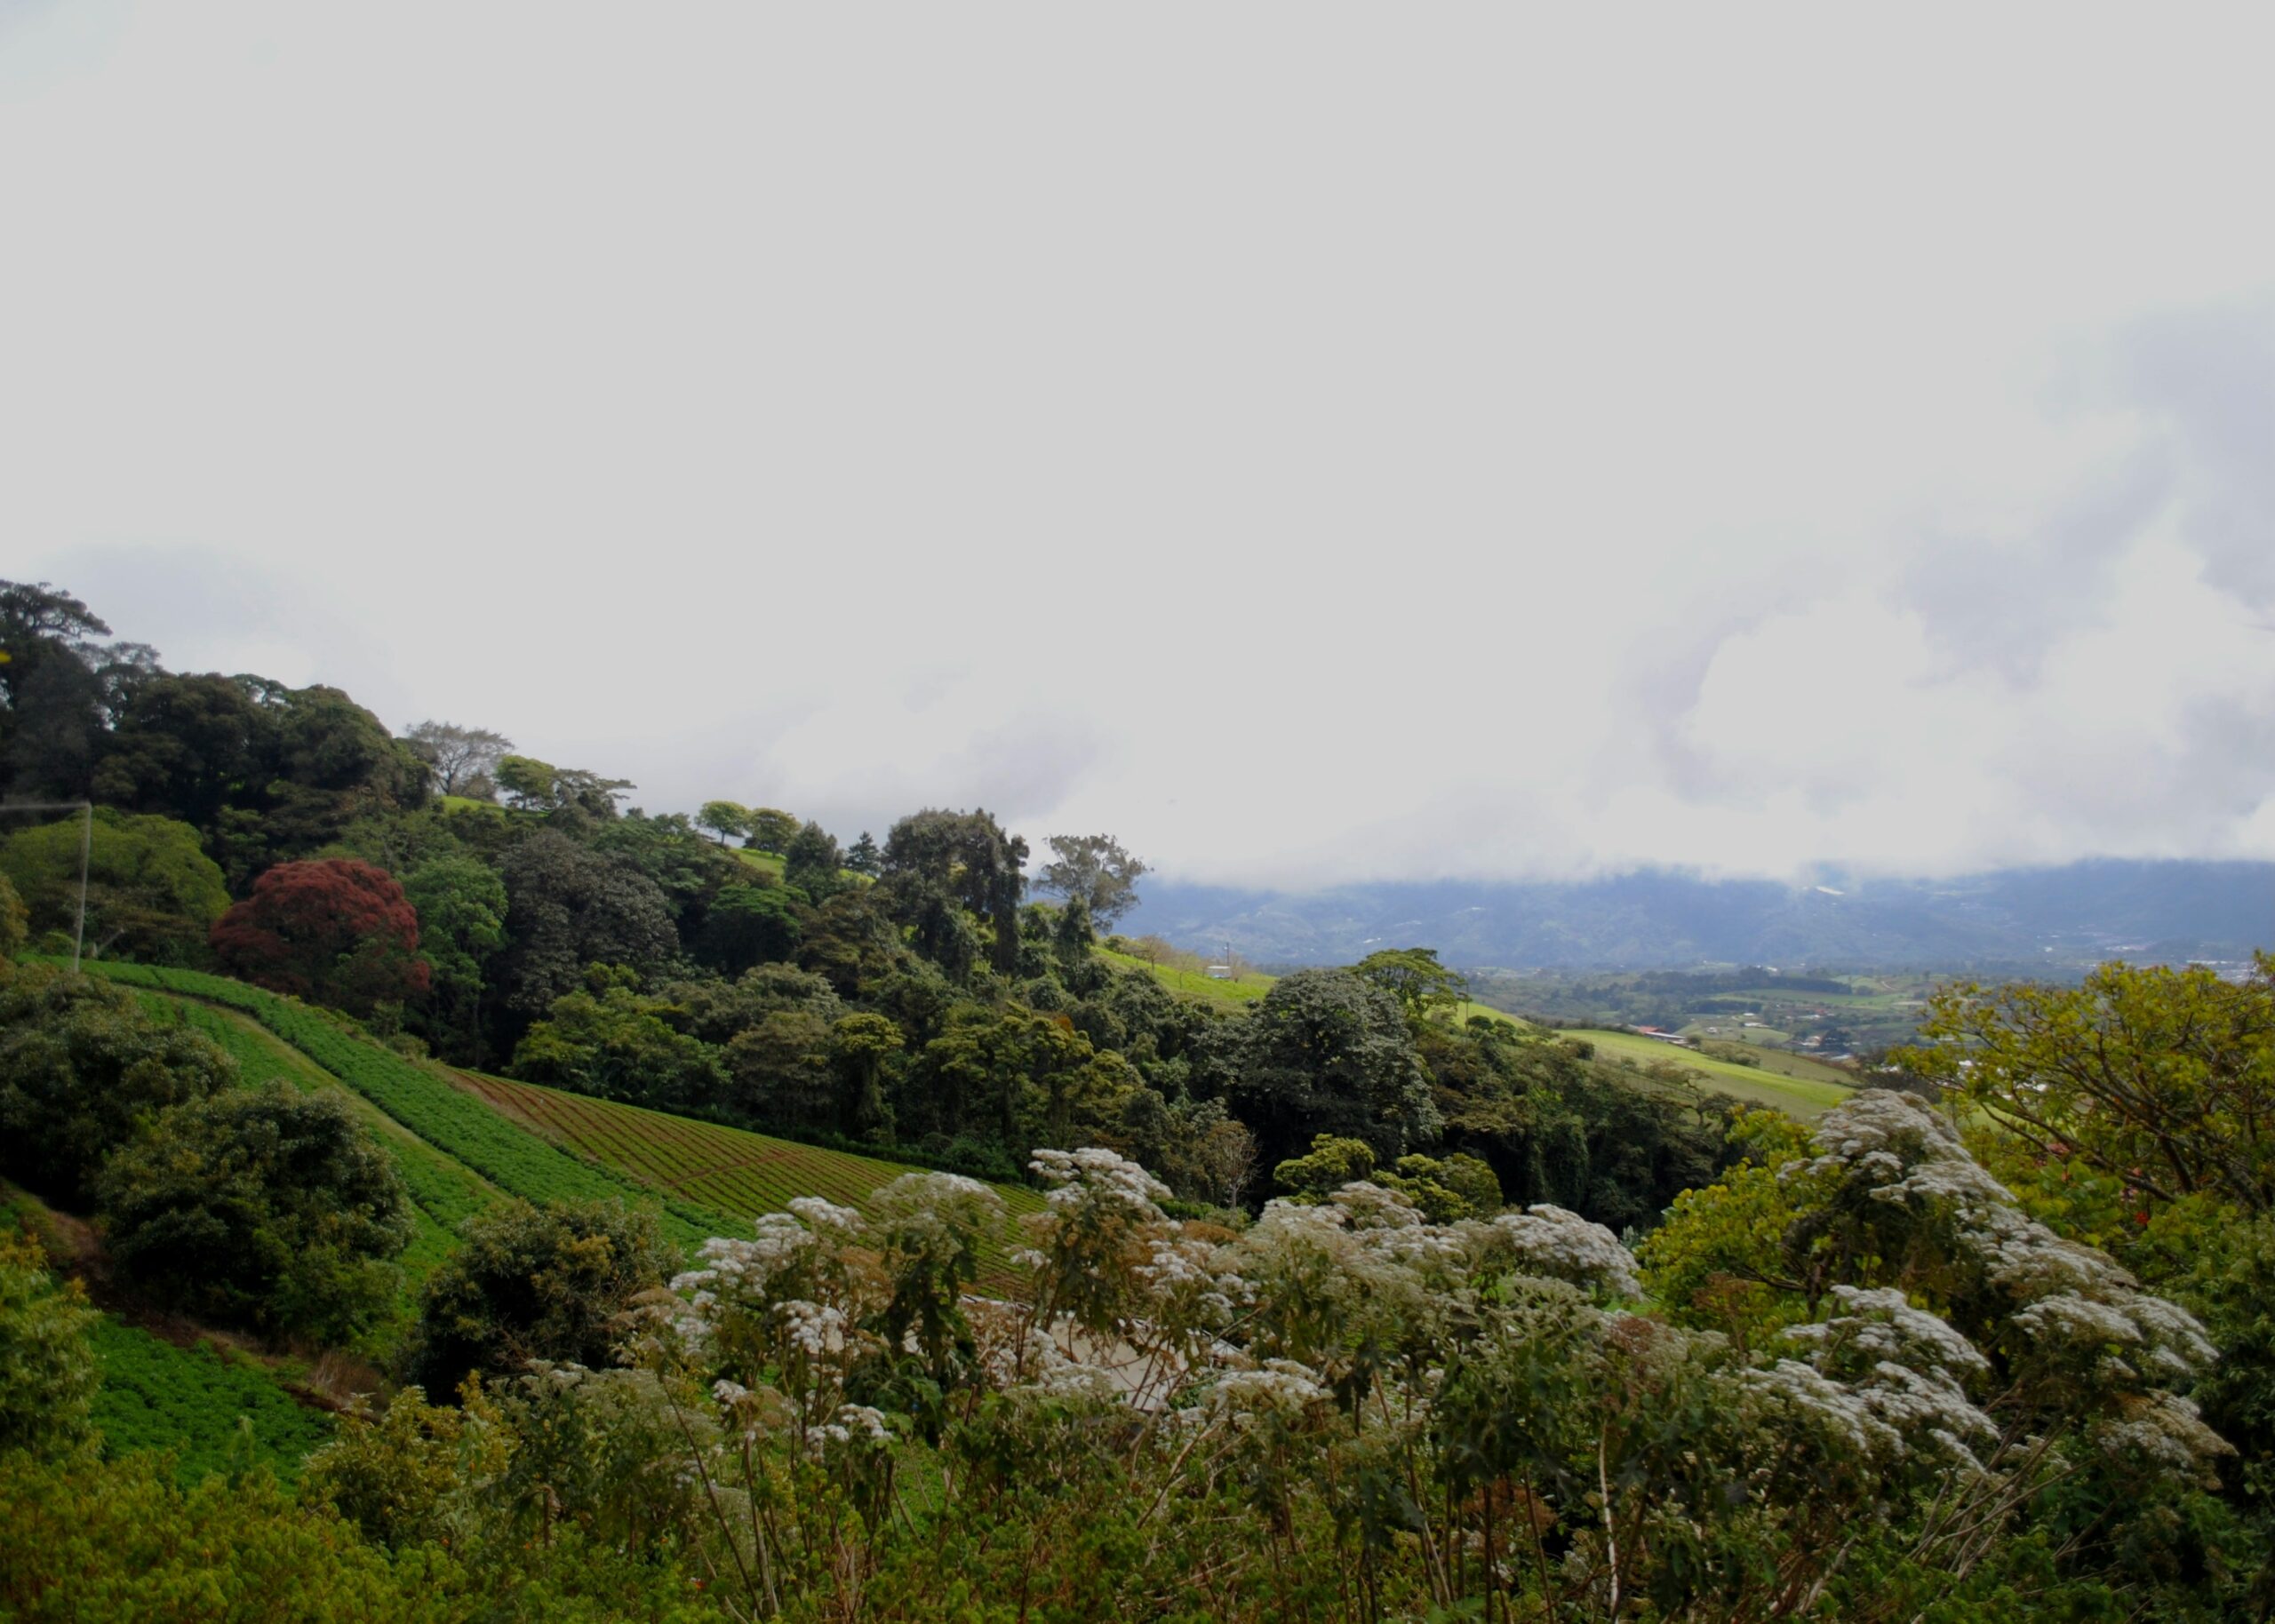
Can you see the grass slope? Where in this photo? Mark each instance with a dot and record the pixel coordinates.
(218, 1412)
(1800, 1096)
(1192, 983)
(727, 1169)
(424, 1101)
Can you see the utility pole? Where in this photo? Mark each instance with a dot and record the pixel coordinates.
(86, 809)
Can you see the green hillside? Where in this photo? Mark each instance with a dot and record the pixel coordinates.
(445, 1192)
(422, 1100)
(703, 1178)
(1194, 982)
(1801, 1096)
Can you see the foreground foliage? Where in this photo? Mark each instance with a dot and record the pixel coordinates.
(1929, 1407)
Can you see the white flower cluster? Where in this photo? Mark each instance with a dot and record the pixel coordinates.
(1279, 1387)
(1294, 1219)
(2073, 1299)
(747, 1270)
(1906, 1367)
(1080, 1177)
(826, 1218)
(1370, 1207)
(1178, 1269)
(1809, 1395)
(855, 1425)
(1549, 1240)
(1882, 1325)
(814, 1329)
(2164, 1433)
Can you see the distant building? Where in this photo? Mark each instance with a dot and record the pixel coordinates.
(1218, 972)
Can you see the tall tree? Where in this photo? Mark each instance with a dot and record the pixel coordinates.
(965, 859)
(528, 782)
(152, 894)
(463, 758)
(188, 747)
(1095, 868)
(567, 907)
(2161, 1079)
(770, 829)
(461, 908)
(723, 818)
(812, 862)
(1415, 978)
(1328, 1052)
(336, 930)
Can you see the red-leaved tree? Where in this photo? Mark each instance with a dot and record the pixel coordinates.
(337, 931)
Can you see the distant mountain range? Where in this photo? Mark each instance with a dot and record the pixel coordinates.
(2079, 914)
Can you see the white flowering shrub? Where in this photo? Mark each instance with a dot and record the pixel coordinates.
(1392, 1412)
(1563, 1245)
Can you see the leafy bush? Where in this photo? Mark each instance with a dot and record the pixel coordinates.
(91, 1543)
(47, 1372)
(81, 1071)
(534, 1283)
(262, 1208)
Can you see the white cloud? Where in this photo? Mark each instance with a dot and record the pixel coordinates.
(1308, 441)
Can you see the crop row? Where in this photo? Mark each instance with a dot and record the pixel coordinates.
(155, 1396)
(452, 1121)
(727, 1169)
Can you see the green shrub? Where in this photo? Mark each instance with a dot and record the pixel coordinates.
(81, 1071)
(260, 1206)
(47, 1371)
(534, 1283)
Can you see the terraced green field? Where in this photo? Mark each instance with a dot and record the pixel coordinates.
(464, 1139)
(726, 1169)
(1799, 1096)
(423, 1100)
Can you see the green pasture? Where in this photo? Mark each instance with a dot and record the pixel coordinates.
(1192, 984)
(1801, 1096)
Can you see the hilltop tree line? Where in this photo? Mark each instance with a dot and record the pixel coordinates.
(920, 994)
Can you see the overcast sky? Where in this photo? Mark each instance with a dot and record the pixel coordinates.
(1309, 441)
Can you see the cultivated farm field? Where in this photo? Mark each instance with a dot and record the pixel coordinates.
(725, 1169)
(423, 1100)
(214, 1410)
